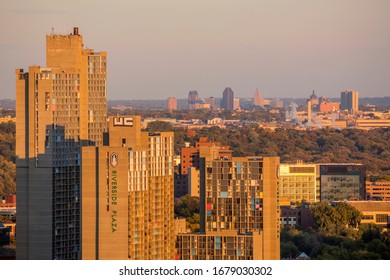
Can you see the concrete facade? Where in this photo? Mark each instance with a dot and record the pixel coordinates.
(127, 194)
(60, 107)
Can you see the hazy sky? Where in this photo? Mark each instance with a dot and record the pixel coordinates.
(166, 48)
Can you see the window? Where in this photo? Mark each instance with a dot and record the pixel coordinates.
(381, 218)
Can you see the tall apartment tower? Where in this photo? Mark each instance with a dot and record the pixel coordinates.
(60, 108)
(239, 211)
(350, 101)
(127, 194)
(227, 101)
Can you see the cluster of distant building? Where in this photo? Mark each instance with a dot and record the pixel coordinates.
(349, 102)
(227, 102)
(320, 111)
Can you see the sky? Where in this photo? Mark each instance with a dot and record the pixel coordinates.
(158, 49)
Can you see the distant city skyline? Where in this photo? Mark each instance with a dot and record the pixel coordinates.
(161, 49)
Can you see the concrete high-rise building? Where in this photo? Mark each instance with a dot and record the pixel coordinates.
(227, 101)
(186, 183)
(60, 108)
(127, 194)
(172, 103)
(239, 211)
(192, 99)
(350, 101)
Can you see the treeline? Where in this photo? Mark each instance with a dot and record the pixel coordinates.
(369, 147)
(370, 243)
(7, 158)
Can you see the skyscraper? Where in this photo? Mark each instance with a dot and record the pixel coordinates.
(127, 194)
(192, 99)
(227, 102)
(350, 101)
(60, 108)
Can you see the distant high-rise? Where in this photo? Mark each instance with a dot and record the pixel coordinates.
(350, 101)
(60, 108)
(192, 99)
(172, 103)
(258, 100)
(211, 101)
(127, 191)
(227, 102)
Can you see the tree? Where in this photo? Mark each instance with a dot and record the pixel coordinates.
(288, 250)
(324, 216)
(159, 126)
(7, 177)
(335, 219)
(348, 215)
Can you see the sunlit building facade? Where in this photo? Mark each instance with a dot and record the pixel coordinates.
(60, 108)
(239, 209)
(127, 194)
(297, 183)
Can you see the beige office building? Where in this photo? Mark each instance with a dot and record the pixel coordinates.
(127, 194)
(239, 210)
(59, 108)
(297, 183)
